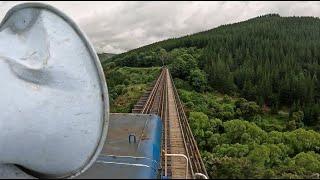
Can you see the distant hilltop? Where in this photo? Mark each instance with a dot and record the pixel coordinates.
(105, 56)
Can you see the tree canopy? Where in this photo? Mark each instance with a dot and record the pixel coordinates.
(251, 91)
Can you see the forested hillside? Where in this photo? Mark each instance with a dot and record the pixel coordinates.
(272, 60)
(251, 91)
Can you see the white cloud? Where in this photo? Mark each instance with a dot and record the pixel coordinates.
(116, 27)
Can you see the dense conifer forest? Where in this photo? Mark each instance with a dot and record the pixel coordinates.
(251, 91)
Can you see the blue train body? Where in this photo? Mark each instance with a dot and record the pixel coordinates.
(132, 149)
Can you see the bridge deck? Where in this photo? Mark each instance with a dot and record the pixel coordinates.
(177, 137)
(178, 164)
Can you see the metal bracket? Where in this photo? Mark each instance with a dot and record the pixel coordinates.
(134, 138)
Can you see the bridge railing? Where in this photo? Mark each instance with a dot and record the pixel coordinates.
(196, 164)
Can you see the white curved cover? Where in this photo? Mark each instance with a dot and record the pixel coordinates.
(53, 96)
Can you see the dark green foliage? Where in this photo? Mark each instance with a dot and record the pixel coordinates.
(126, 85)
(182, 66)
(249, 152)
(272, 60)
(251, 146)
(246, 109)
(181, 84)
(228, 168)
(198, 80)
(312, 115)
(295, 120)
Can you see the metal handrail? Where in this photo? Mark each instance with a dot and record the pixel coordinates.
(184, 156)
(127, 164)
(201, 175)
(134, 157)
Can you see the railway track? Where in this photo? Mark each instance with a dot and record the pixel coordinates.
(181, 157)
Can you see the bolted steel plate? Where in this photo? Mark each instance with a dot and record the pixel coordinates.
(53, 96)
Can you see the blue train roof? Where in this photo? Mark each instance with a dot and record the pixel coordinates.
(132, 149)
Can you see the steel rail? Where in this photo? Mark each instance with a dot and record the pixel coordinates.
(150, 97)
(149, 102)
(166, 129)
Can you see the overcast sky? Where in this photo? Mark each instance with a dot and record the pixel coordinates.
(117, 27)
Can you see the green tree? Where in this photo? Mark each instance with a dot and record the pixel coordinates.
(307, 162)
(198, 80)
